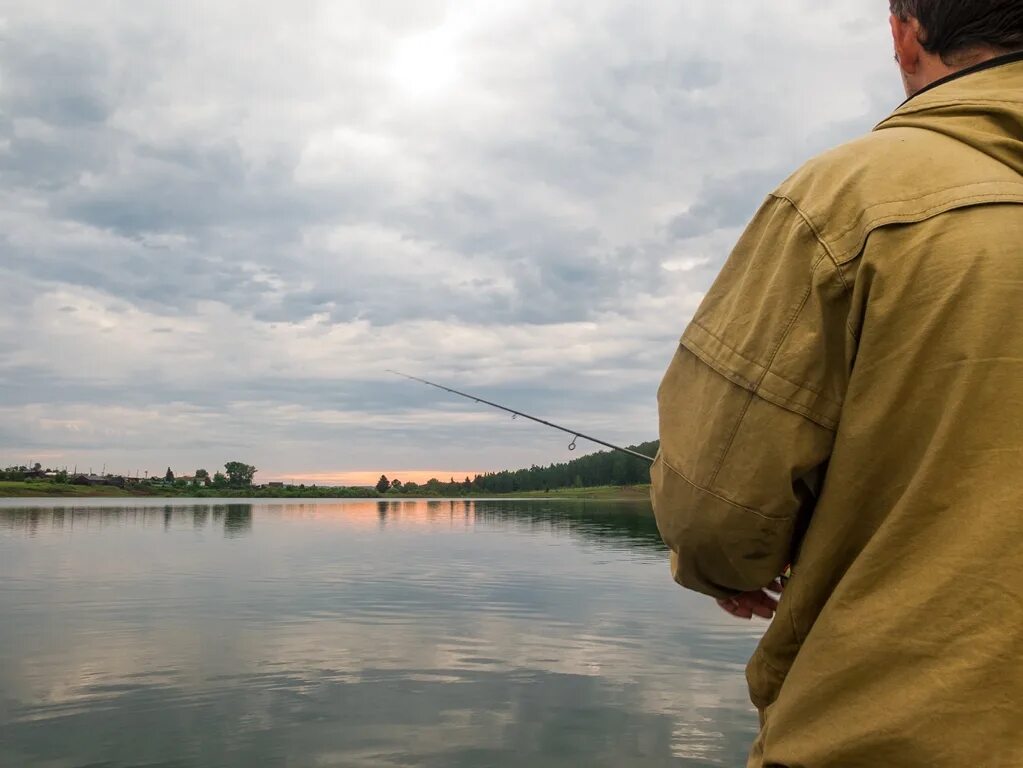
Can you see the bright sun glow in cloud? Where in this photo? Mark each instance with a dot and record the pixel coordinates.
(425, 65)
(523, 199)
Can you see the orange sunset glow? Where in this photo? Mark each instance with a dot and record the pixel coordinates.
(370, 477)
(365, 515)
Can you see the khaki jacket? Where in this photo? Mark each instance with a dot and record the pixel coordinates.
(849, 399)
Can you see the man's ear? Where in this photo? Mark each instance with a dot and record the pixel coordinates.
(906, 36)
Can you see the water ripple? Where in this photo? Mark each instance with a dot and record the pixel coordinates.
(358, 634)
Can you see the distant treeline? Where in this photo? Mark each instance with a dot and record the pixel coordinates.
(596, 469)
(607, 468)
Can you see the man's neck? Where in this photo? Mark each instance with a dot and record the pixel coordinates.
(979, 63)
(935, 69)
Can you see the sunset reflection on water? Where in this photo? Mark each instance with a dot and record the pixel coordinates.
(447, 633)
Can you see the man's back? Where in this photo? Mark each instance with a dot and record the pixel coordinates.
(911, 630)
(881, 341)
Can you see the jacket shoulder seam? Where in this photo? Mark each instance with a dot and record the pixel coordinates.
(827, 249)
(813, 229)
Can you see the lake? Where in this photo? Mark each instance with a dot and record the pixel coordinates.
(139, 632)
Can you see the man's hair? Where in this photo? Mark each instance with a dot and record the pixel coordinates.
(954, 27)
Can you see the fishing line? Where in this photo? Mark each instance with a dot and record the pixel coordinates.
(576, 435)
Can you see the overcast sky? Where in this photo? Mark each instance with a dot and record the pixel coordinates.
(222, 221)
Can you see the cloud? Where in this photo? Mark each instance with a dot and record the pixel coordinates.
(221, 223)
(724, 203)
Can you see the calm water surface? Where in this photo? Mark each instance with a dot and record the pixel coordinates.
(358, 634)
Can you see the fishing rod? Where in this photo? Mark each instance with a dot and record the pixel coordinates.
(576, 435)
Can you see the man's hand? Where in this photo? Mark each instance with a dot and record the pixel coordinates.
(750, 604)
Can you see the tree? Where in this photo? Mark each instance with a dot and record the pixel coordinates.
(202, 476)
(383, 484)
(220, 480)
(396, 484)
(239, 474)
(169, 477)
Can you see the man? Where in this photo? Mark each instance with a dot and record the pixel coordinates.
(849, 401)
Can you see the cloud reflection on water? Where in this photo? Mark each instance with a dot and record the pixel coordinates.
(359, 633)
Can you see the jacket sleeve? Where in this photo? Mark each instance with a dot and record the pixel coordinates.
(749, 407)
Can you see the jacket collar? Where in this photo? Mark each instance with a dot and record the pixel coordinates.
(998, 61)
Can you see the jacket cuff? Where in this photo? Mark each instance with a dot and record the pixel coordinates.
(719, 548)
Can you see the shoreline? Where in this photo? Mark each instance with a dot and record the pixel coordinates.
(39, 490)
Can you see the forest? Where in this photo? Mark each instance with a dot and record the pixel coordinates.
(605, 468)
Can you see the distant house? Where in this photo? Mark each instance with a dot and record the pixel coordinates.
(98, 480)
(202, 482)
(275, 485)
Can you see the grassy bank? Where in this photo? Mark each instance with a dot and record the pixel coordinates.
(19, 489)
(23, 489)
(602, 493)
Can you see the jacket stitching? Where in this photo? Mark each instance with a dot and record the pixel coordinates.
(795, 629)
(791, 323)
(772, 667)
(848, 320)
(726, 345)
(813, 229)
(915, 198)
(926, 106)
(821, 420)
(919, 216)
(746, 382)
(758, 387)
(712, 361)
(827, 249)
(719, 497)
(774, 354)
(731, 437)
